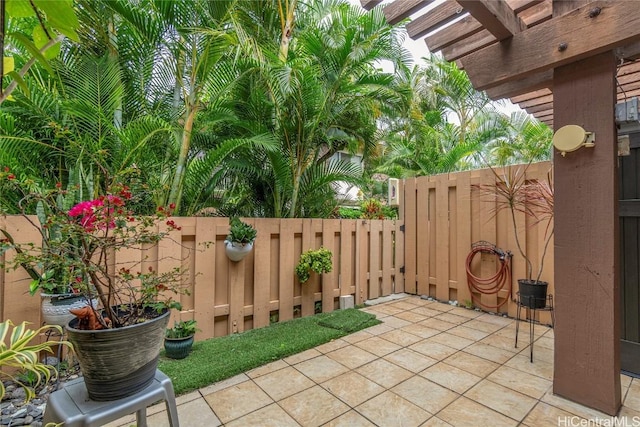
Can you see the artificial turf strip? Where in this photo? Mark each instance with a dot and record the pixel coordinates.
(216, 359)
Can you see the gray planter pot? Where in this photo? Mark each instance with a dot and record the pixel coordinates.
(118, 362)
(237, 251)
(55, 307)
(178, 348)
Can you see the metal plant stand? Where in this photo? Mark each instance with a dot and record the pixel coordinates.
(531, 316)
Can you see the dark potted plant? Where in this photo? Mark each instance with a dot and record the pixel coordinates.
(313, 261)
(178, 340)
(240, 240)
(533, 198)
(132, 303)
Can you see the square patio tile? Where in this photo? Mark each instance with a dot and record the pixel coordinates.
(283, 383)
(404, 304)
(267, 369)
(411, 360)
(472, 364)
(539, 368)
(483, 326)
(451, 377)
(395, 323)
(411, 316)
(224, 384)
(269, 416)
(384, 373)
(352, 388)
(313, 407)
(504, 343)
(420, 330)
(350, 419)
(465, 312)
(504, 400)
(379, 329)
(357, 337)
(433, 349)
(547, 415)
(539, 353)
(572, 407)
(400, 337)
(544, 342)
(351, 356)
(435, 323)
(451, 340)
(389, 409)
(435, 422)
(426, 311)
(443, 307)
(495, 319)
(632, 398)
(388, 309)
(468, 333)
(426, 394)
(321, 369)
(332, 345)
(195, 413)
(301, 357)
(525, 383)
(452, 318)
(378, 346)
(465, 413)
(238, 400)
(489, 352)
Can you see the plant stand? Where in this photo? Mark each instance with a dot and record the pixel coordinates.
(531, 317)
(72, 406)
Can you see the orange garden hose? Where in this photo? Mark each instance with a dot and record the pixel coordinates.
(494, 284)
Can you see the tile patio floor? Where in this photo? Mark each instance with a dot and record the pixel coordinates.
(427, 364)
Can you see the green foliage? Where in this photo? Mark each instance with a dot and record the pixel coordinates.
(349, 213)
(317, 261)
(241, 232)
(216, 359)
(182, 329)
(21, 353)
(372, 209)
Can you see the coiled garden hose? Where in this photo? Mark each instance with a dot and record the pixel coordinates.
(494, 284)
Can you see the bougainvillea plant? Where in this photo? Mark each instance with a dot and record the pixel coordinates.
(79, 246)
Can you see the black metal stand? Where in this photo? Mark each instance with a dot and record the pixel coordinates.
(531, 317)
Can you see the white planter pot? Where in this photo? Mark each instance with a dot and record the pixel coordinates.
(55, 307)
(237, 251)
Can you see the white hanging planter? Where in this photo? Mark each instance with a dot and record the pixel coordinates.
(236, 251)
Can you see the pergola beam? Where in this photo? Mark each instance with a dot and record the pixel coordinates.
(458, 31)
(520, 87)
(369, 4)
(496, 17)
(579, 34)
(435, 18)
(470, 44)
(400, 9)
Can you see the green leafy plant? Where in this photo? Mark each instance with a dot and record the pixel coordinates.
(318, 261)
(78, 244)
(182, 329)
(241, 232)
(22, 354)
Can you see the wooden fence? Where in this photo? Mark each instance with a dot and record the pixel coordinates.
(444, 215)
(441, 217)
(228, 297)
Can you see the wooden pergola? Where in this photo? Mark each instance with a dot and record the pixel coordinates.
(565, 62)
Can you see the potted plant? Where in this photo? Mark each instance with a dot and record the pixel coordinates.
(132, 303)
(313, 261)
(240, 240)
(533, 198)
(178, 340)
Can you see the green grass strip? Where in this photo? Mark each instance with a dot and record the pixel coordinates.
(216, 359)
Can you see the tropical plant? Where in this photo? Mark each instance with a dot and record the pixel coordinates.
(79, 244)
(21, 353)
(316, 261)
(241, 232)
(182, 329)
(517, 194)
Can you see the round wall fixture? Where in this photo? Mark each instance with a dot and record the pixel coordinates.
(571, 137)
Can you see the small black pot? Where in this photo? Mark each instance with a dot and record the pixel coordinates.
(533, 293)
(178, 348)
